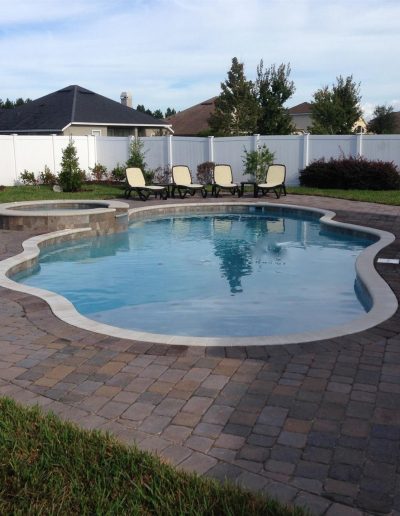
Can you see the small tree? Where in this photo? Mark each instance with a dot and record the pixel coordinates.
(384, 121)
(137, 155)
(256, 162)
(336, 111)
(71, 176)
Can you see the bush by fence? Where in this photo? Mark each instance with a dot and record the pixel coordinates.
(351, 173)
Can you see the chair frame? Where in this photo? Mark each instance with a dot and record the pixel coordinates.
(144, 191)
(190, 189)
(216, 188)
(278, 189)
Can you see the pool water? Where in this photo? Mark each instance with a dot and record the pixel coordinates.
(211, 275)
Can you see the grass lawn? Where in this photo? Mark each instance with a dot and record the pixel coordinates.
(98, 191)
(51, 467)
(379, 196)
(38, 193)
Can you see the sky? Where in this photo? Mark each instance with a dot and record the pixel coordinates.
(176, 53)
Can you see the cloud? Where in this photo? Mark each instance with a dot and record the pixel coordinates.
(177, 52)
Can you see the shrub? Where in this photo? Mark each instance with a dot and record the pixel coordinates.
(256, 162)
(118, 173)
(71, 176)
(351, 173)
(28, 178)
(98, 171)
(162, 175)
(205, 172)
(47, 177)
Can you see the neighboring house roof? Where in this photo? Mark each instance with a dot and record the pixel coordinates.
(300, 109)
(72, 105)
(193, 120)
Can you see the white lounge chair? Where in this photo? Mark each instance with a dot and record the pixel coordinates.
(135, 182)
(223, 180)
(182, 181)
(275, 180)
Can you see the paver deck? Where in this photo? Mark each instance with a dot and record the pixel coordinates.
(315, 424)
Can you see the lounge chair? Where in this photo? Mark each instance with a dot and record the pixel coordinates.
(223, 180)
(182, 181)
(275, 180)
(135, 182)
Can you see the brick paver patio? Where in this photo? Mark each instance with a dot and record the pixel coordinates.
(316, 424)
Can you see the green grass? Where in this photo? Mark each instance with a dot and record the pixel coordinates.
(378, 196)
(98, 191)
(39, 193)
(51, 467)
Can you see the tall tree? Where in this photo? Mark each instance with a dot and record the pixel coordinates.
(383, 121)
(336, 110)
(170, 112)
(236, 107)
(272, 89)
(158, 113)
(9, 104)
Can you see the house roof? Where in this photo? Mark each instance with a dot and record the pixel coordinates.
(300, 109)
(193, 120)
(72, 105)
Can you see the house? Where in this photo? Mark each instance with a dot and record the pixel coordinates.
(77, 111)
(301, 118)
(193, 120)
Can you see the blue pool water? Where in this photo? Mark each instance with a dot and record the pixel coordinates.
(213, 275)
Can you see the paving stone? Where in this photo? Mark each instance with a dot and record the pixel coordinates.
(232, 442)
(273, 416)
(112, 409)
(218, 414)
(242, 430)
(292, 439)
(154, 424)
(138, 411)
(253, 453)
(286, 454)
(281, 492)
(198, 462)
(208, 430)
(338, 509)
(279, 467)
(315, 504)
(225, 472)
(197, 405)
(251, 481)
(198, 443)
(169, 407)
(177, 434)
(175, 454)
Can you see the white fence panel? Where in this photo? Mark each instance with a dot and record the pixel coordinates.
(382, 147)
(190, 151)
(33, 153)
(231, 151)
(111, 150)
(156, 151)
(8, 172)
(288, 150)
(331, 146)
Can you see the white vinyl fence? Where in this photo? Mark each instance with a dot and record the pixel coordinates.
(32, 153)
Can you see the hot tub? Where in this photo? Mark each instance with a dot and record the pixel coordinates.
(45, 216)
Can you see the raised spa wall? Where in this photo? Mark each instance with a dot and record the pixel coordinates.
(105, 217)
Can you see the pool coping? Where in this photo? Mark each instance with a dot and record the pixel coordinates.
(384, 301)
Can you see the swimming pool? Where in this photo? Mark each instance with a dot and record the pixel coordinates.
(246, 274)
(262, 242)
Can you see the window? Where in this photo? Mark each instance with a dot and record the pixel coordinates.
(96, 132)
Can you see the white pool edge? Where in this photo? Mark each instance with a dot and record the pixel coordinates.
(384, 301)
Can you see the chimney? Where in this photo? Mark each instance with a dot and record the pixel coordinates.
(126, 98)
